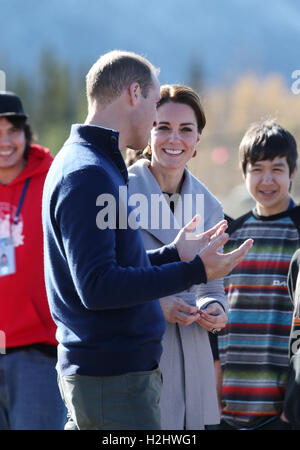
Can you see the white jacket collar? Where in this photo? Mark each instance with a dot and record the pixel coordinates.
(142, 181)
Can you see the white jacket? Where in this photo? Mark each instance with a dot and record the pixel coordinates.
(189, 391)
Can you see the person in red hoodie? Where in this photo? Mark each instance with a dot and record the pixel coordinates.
(29, 396)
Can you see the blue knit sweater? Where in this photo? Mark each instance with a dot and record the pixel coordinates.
(101, 284)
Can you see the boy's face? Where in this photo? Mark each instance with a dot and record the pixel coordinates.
(268, 182)
(12, 148)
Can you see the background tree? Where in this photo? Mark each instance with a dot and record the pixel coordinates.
(57, 99)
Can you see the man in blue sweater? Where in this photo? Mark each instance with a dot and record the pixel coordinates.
(102, 286)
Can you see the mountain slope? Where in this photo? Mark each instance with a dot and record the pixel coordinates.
(223, 38)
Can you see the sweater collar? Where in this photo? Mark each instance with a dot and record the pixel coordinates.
(142, 181)
(102, 140)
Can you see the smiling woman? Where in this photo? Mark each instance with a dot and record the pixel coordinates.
(180, 121)
(173, 142)
(188, 399)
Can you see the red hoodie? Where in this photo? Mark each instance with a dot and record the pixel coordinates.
(24, 313)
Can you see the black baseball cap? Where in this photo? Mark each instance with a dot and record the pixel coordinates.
(11, 105)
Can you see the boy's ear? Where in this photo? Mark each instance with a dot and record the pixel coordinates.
(243, 169)
(293, 174)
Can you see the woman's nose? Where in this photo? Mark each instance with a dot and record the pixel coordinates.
(174, 136)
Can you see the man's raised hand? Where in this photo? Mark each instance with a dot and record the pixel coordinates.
(218, 265)
(190, 244)
(207, 244)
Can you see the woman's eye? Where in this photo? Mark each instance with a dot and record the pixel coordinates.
(162, 127)
(186, 129)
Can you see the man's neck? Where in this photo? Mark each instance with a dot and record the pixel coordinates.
(111, 119)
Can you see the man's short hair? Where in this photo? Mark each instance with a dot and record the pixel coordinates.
(113, 72)
(267, 140)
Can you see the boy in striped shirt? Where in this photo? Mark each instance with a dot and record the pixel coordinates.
(253, 347)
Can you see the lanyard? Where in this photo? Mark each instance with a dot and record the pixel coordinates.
(21, 201)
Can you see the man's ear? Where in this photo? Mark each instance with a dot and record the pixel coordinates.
(134, 93)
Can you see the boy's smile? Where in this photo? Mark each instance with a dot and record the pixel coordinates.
(268, 182)
(12, 148)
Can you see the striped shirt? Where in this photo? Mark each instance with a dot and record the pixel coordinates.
(254, 345)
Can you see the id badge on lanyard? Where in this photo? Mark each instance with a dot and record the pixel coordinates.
(7, 248)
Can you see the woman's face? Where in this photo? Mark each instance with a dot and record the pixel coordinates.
(174, 138)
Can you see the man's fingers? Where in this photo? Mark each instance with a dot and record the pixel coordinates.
(242, 250)
(218, 265)
(221, 228)
(214, 232)
(237, 256)
(246, 246)
(218, 242)
(192, 225)
(217, 229)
